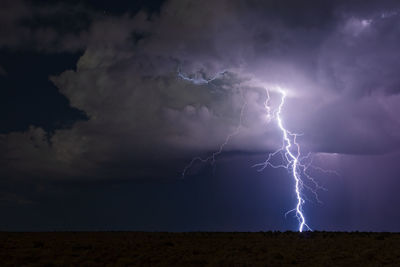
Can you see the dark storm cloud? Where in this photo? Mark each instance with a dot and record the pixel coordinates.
(58, 27)
(338, 61)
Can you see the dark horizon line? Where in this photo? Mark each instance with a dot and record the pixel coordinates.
(202, 232)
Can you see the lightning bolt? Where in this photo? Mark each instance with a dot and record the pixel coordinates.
(290, 154)
(212, 158)
(200, 80)
(293, 159)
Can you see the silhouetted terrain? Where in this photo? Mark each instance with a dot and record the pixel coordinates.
(199, 249)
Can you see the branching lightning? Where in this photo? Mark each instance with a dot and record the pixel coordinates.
(211, 159)
(290, 158)
(289, 154)
(200, 80)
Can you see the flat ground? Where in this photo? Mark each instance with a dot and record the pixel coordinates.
(199, 249)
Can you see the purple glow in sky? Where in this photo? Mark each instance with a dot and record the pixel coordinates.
(165, 82)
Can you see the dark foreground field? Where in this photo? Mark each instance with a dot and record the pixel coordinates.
(199, 249)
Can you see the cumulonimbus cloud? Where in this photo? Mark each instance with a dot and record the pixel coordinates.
(339, 70)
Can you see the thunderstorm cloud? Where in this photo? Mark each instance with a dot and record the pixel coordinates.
(339, 65)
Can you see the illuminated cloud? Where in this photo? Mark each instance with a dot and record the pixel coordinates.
(339, 65)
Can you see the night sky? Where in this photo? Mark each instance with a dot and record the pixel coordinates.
(97, 125)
